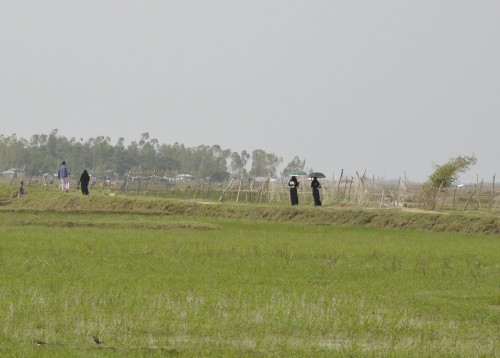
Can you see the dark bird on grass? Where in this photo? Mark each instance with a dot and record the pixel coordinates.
(38, 343)
(96, 340)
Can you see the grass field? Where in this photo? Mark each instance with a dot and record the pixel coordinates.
(156, 285)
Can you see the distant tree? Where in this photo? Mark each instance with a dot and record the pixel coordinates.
(52, 143)
(146, 156)
(168, 159)
(213, 162)
(101, 153)
(238, 162)
(120, 163)
(201, 161)
(148, 151)
(446, 174)
(295, 165)
(264, 164)
(220, 157)
(13, 153)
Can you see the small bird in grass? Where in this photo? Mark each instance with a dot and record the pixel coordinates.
(38, 343)
(96, 340)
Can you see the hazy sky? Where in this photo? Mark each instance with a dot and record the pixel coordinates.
(386, 86)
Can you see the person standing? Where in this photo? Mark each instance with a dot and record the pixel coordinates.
(293, 184)
(20, 193)
(315, 185)
(84, 182)
(63, 175)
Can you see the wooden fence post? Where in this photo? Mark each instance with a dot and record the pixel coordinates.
(123, 187)
(147, 183)
(397, 194)
(340, 179)
(239, 187)
(454, 195)
(357, 194)
(198, 187)
(259, 196)
(283, 185)
(470, 197)
(492, 192)
(478, 205)
(350, 186)
(362, 184)
(224, 191)
(166, 187)
(208, 187)
(444, 198)
(437, 196)
(333, 187)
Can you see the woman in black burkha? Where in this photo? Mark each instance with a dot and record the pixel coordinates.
(84, 182)
(294, 184)
(315, 185)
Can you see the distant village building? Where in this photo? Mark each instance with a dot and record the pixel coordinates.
(12, 173)
(185, 177)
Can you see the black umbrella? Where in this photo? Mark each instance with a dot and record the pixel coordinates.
(317, 175)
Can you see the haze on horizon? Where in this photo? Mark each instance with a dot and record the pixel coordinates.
(389, 87)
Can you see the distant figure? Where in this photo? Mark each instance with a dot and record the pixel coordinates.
(293, 184)
(315, 185)
(84, 182)
(63, 175)
(20, 194)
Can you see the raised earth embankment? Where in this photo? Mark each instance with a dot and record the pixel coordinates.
(51, 200)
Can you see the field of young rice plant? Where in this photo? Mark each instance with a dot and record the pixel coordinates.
(156, 286)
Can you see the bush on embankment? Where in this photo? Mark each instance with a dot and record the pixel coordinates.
(49, 199)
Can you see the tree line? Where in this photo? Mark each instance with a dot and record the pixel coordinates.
(42, 153)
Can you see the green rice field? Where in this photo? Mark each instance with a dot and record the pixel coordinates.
(177, 286)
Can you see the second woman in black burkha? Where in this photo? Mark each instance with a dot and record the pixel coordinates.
(294, 184)
(315, 185)
(84, 182)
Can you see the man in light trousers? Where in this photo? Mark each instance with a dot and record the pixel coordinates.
(63, 175)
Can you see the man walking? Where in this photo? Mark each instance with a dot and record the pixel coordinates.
(63, 175)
